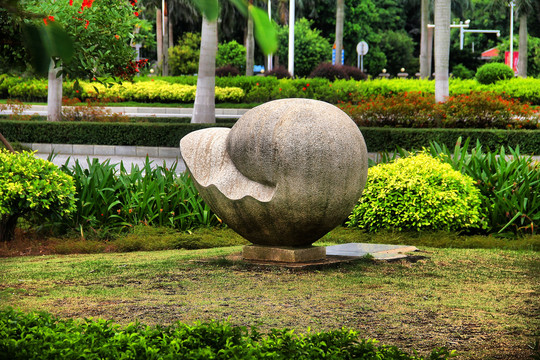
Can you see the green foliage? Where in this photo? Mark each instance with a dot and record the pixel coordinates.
(418, 193)
(184, 57)
(398, 48)
(151, 238)
(310, 48)
(533, 54)
(168, 133)
(111, 198)
(31, 186)
(493, 72)
(41, 335)
(101, 34)
(232, 53)
(509, 183)
(460, 71)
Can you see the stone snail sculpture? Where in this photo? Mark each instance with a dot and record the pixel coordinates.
(284, 175)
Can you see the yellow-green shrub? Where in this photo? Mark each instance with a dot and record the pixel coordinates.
(158, 91)
(30, 185)
(418, 193)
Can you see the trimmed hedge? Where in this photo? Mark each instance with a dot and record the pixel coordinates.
(262, 89)
(169, 135)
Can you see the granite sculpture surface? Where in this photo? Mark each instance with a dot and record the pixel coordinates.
(284, 175)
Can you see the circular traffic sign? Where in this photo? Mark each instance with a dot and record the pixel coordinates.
(362, 48)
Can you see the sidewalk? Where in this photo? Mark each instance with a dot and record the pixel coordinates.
(145, 111)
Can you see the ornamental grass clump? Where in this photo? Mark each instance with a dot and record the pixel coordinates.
(31, 186)
(418, 193)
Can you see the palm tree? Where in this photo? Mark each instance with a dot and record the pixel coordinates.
(442, 48)
(250, 43)
(523, 9)
(204, 109)
(340, 18)
(425, 59)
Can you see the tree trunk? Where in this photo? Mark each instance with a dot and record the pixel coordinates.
(8, 223)
(159, 37)
(522, 60)
(6, 143)
(54, 94)
(165, 66)
(204, 109)
(442, 49)
(424, 40)
(171, 35)
(430, 52)
(340, 18)
(250, 45)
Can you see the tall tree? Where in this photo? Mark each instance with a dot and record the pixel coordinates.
(523, 8)
(250, 44)
(99, 33)
(204, 108)
(340, 19)
(442, 48)
(425, 59)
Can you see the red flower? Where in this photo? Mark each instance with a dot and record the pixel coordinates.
(257, 84)
(307, 85)
(117, 37)
(136, 13)
(51, 18)
(279, 89)
(303, 89)
(70, 2)
(86, 25)
(77, 91)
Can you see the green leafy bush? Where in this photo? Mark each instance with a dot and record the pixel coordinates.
(43, 336)
(232, 53)
(460, 71)
(30, 186)
(184, 57)
(493, 72)
(509, 183)
(418, 193)
(111, 198)
(310, 47)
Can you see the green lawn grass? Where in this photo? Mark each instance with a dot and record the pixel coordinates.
(481, 302)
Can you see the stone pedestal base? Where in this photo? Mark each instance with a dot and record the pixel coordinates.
(283, 254)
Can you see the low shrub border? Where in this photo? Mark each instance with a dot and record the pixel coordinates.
(43, 336)
(169, 135)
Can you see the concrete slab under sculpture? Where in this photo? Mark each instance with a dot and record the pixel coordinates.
(286, 173)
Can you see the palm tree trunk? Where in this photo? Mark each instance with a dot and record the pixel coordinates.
(250, 45)
(340, 18)
(424, 40)
(159, 37)
(204, 109)
(442, 49)
(165, 66)
(54, 94)
(522, 60)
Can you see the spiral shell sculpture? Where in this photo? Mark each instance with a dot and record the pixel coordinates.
(286, 173)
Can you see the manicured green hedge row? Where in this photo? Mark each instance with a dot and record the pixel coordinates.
(169, 135)
(42, 336)
(261, 89)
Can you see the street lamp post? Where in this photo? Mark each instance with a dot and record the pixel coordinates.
(291, 37)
